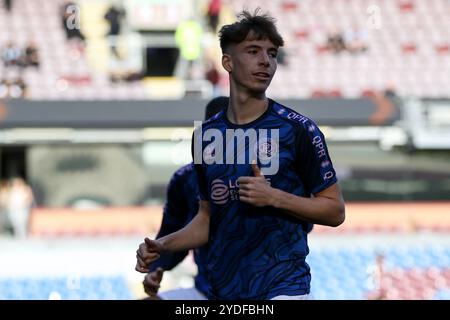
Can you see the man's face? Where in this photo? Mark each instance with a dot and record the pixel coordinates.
(253, 64)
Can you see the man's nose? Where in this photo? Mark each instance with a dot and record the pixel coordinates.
(264, 59)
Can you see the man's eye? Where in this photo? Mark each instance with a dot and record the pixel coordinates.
(252, 51)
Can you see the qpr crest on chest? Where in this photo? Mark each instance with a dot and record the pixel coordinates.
(242, 147)
(266, 148)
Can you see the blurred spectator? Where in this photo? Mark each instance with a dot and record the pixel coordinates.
(18, 205)
(3, 205)
(31, 57)
(4, 89)
(335, 42)
(213, 76)
(181, 206)
(129, 76)
(18, 88)
(114, 17)
(353, 40)
(377, 275)
(213, 14)
(188, 37)
(356, 40)
(390, 90)
(13, 89)
(8, 5)
(70, 19)
(11, 55)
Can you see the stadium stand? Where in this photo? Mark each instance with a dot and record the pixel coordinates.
(65, 72)
(66, 288)
(412, 272)
(407, 47)
(403, 50)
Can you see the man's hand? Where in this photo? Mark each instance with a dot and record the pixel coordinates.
(152, 282)
(256, 190)
(148, 251)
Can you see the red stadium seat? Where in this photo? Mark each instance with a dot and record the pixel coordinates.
(406, 6)
(335, 93)
(443, 49)
(302, 34)
(289, 6)
(368, 93)
(409, 48)
(321, 49)
(318, 93)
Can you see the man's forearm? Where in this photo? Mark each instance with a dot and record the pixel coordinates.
(322, 210)
(169, 260)
(193, 235)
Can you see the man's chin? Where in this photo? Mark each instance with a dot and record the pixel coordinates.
(259, 89)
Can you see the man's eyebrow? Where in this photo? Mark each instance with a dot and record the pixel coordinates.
(254, 46)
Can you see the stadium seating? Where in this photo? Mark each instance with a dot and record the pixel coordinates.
(94, 288)
(64, 74)
(408, 48)
(407, 51)
(411, 272)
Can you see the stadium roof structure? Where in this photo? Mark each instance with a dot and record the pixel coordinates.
(144, 114)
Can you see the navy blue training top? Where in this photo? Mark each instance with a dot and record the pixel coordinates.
(259, 252)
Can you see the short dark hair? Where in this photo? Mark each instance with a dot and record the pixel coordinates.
(216, 105)
(262, 26)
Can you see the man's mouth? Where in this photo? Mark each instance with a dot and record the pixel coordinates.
(262, 75)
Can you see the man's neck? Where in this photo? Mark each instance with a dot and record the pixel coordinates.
(244, 109)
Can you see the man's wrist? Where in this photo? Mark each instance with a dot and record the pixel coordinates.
(276, 198)
(162, 245)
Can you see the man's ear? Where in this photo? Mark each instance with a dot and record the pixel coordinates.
(227, 64)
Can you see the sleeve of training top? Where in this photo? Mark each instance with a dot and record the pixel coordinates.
(313, 160)
(197, 152)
